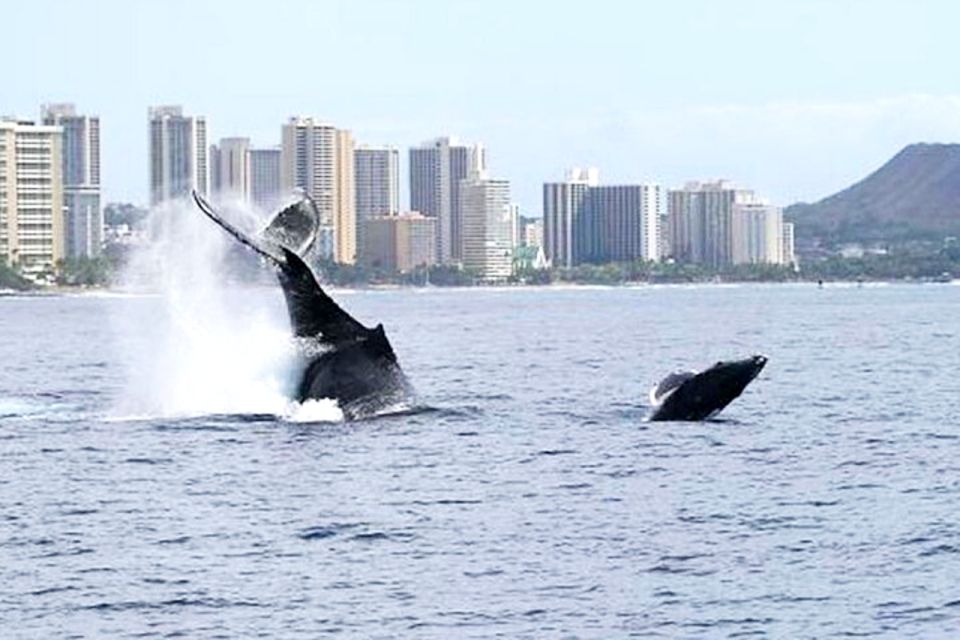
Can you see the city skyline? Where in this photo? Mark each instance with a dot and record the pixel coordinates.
(827, 101)
(476, 224)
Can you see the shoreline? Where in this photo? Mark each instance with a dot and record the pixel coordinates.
(60, 290)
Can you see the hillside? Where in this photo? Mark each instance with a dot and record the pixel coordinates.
(915, 195)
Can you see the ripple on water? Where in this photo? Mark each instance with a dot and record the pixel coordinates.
(527, 500)
(326, 531)
(173, 603)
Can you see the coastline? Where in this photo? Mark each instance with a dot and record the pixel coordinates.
(99, 291)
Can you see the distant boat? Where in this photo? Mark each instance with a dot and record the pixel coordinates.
(944, 278)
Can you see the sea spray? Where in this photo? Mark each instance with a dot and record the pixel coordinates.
(208, 340)
(323, 410)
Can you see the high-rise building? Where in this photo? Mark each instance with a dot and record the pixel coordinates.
(83, 216)
(789, 255)
(654, 209)
(516, 231)
(377, 175)
(757, 234)
(701, 218)
(31, 196)
(619, 223)
(487, 228)
(685, 220)
(264, 185)
(317, 158)
(562, 208)
(377, 183)
(179, 157)
(666, 250)
(586, 222)
(400, 242)
(437, 168)
(230, 167)
(532, 233)
(345, 217)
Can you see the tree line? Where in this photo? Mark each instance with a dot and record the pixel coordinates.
(101, 271)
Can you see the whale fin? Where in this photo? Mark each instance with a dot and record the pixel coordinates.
(259, 247)
(314, 314)
(668, 385)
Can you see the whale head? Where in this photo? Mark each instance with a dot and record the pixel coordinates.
(725, 381)
(736, 374)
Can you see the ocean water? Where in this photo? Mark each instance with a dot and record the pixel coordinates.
(155, 483)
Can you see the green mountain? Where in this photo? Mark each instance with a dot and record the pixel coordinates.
(914, 196)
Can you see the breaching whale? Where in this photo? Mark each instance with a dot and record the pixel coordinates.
(345, 360)
(689, 395)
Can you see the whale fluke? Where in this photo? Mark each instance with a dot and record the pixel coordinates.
(263, 249)
(295, 226)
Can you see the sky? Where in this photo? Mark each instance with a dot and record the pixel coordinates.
(794, 99)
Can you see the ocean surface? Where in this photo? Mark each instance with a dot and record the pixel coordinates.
(155, 483)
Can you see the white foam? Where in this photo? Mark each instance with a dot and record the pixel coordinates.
(323, 410)
(18, 407)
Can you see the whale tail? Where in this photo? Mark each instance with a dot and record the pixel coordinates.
(313, 314)
(354, 365)
(294, 228)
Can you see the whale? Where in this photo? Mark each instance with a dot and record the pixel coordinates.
(692, 396)
(341, 359)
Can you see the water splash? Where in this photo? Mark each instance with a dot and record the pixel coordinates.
(324, 410)
(210, 339)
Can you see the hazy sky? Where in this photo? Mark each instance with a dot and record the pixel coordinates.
(795, 99)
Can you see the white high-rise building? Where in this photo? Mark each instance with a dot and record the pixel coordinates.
(533, 233)
(516, 232)
(265, 190)
(31, 197)
(487, 227)
(179, 156)
(230, 167)
(562, 209)
(437, 168)
(653, 210)
(377, 179)
(757, 234)
(83, 215)
(317, 158)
